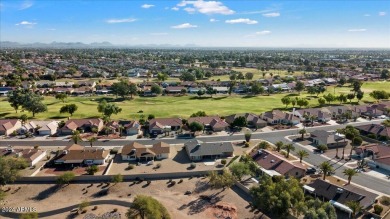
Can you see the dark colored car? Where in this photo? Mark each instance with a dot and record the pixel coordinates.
(311, 170)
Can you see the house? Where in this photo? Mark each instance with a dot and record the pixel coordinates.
(160, 125)
(5, 90)
(131, 127)
(198, 150)
(137, 151)
(319, 114)
(83, 125)
(380, 131)
(79, 155)
(330, 139)
(210, 122)
(137, 72)
(175, 89)
(253, 121)
(39, 127)
(221, 90)
(32, 156)
(8, 126)
(272, 164)
(278, 117)
(379, 154)
(339, 196)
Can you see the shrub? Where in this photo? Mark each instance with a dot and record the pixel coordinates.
(180, 181)
(115, 210)
(371, 135)
(385, 200)
(223, 161)
(94, 208)
(84, 211)
(283, 153)
(114, 151)
(158, 165)
(378, 209)
(130, 166)
(246, 145)
(322, 147)
(192, 165)
(173, 183)
(357, 141)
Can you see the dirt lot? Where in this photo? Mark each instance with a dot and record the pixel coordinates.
(218, 204)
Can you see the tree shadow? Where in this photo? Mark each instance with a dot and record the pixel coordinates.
(58, 117)
(220, 98)
(203, 202)
(2, 115)
(47, 193)
(101, 193)
(248, 96)
(199, 98)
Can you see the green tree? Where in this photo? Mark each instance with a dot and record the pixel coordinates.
(301, 154)
(162, 76)
(350, 173)
(62, 97)
(117, 178)
(9, 169)
(356, 86)
(326, 169)
(299, 86)
(107, 109)
(146, 207)
(239, 122)
(263, 145)
(91, 170)
(69, 108)
(200, 92)
(76, 136)
(379, 95)
(15, 98)
(286, 100)
(133, 90)
(91, 140)
(359, 95)
(226, 179)
(279, 145)
(288, 148)
(187, 76)
(199, 114)
(239, 169)
(33, 103)
(120, 88)
(210, 91)
(350, 97)
(23, 118)
(329, 98)
(302, 132)
(65, 178)
(355, 207)
(156, 89)
(256, 88)
(321, 101)
(248, 76)
(196, 127)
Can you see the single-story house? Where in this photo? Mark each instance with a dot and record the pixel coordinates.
(5, 90)
(320, 114)
(175, 90)
(39, 127)
(198, 150)
(79, 155)
(339, 196)
(279, 117)
(379, 154)
(32, 156)
(273, 164)
(159, 125)
(330, 139)
(253, 121)
(137, 151)
(83, 125)
(210, 122)
(8, 126)
(380, 131)
(131, 127)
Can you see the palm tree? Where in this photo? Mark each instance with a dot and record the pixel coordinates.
(326, 168)
(76, 136)
(289, 147)
(350, 173)
(91, 140)
(279, 145)
(301, 154)
(263, 145)
(302, 132)
(355, 207)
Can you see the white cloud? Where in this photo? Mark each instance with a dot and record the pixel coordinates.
(264, 32)
(273, 14)
(51, 29)
(366, 15)
(175, 8)
(25, 23)
(382, 13)
(159, 34)
(213, 20)
(190, 10)
(207, 7)
(241, 21)
(116, 21)
(146, 6)
(357, 30)
(184, 26)
(25, 5)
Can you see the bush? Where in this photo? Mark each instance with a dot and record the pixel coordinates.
(246, 145)
(180, 181)
(115, 210)
(322, 147)
(223, 161)
(94, 208)
(283, 153)
(114, 151)
(373, 136)
(130, 166)
(173, 183)
(378, 209)
(357, 141)
(192, 165)
(158, 165)
(349, 135)
(385, 200)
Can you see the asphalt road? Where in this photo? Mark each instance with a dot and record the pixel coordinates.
(364, 180)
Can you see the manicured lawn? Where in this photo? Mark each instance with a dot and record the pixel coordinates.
(183, 106)
(257, 74)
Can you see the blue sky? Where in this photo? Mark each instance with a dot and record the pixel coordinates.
(293, 23)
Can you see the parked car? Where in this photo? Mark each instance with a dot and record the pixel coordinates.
(311, 170)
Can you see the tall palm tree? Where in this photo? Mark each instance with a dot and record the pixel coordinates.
(355, 207)
(91, 140)
(302, 132)
(301, 154)
(279, 145)
(76, 136)
(350, 173)
(326, 168)
(288, 148)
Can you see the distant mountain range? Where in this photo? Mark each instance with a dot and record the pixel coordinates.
(9, 44)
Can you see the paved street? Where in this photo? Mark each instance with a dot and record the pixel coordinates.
(364, 180)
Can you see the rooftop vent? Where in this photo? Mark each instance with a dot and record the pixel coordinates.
(272, 161)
